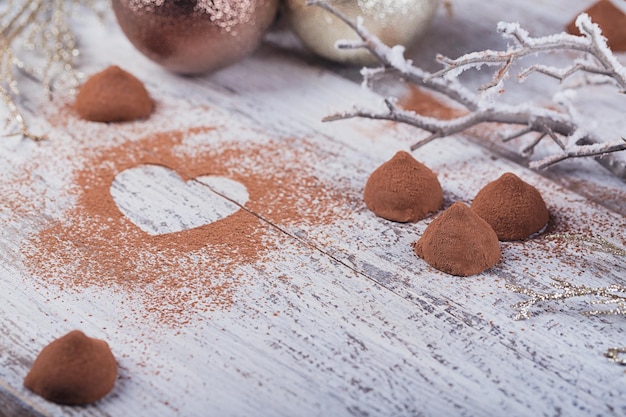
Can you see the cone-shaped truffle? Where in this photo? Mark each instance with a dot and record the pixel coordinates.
(514, 208)
(73, 370)
(113, 95)
(403, 190)
(612, 21)
(459, 242)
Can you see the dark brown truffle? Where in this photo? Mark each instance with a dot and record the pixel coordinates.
(113, 95)
(514, 208)
(459, 242)
(611, 20)
(403, 190)
(73, 370)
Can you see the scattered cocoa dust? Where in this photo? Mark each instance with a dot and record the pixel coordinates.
(427, 104)
(611, 20)
(178, 273)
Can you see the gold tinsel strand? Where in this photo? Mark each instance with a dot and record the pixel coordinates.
(38, 31)
(610, 295)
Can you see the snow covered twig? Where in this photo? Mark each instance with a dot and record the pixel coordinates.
(562, 128)
(597, 59)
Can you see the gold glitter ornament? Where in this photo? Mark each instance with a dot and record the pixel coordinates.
(195, 36)
(394, 22)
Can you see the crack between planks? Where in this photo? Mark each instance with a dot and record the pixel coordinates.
(502, 341)
(299, 239)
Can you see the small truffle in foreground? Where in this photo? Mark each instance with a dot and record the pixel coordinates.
(459, 242)
(403, 190)
(73, 370)
(514, 209)
(113, 95)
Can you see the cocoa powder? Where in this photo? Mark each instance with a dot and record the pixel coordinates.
(427, 104)
(177, 275)
(514, 208)
(459, 242)
(113, 95)
(73, 370)
(403, 190)
(611, 20)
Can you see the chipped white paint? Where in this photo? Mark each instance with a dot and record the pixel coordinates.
(159, 201)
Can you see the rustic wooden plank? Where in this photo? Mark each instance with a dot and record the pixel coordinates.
(383, 249)
(327, 351)
(159, 201)
(11, 405)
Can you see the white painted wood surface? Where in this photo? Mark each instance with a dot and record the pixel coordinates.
(174, 205)
(344, 319)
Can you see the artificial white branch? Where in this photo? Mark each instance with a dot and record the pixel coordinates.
(580, 151)
(563, 129)
(592, 44)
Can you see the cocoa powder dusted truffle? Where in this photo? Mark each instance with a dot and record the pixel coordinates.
(514, 208)
(113, 95)
(73, 370)
(403, 190)
(612, 21)
(459, 242)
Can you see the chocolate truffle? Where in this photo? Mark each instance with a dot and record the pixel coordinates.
(611, 20)
(73, 370)
(459, 242)
(514, 208)
(403, 190)
(113, 95)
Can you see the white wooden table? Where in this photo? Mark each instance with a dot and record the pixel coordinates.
(336, 316)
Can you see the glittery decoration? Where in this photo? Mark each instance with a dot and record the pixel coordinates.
(38, 29)
(394, 22)
(610, 295)
(195, 36)
(615, 355)
(223, 13)
(596, 243)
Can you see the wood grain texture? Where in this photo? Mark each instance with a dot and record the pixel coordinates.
(159, 201)
(342, 318)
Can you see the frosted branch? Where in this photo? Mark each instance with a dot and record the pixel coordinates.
(561, 128)
(592, 44)
(581, 151)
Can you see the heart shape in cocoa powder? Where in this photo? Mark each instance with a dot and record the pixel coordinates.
(158, 201)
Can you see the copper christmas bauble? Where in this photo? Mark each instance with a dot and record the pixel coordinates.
(395, 22)
(195, 36)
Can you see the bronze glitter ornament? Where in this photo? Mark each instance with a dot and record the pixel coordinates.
(195, 36)
(394, 22)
